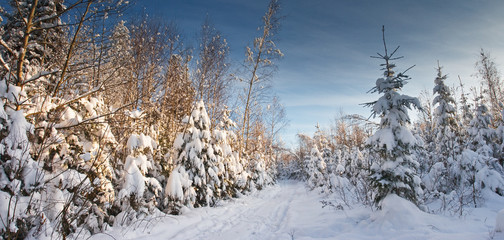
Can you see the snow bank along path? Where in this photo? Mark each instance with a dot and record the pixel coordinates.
(289, 211)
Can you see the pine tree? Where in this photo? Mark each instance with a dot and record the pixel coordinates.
(258, 168)
(322, 143)
(394, 172)
(139, 190)
(499, 146)
(316, 170)
(20, 176)
(482, 169)
(43, 31)
(446, 137)
(86, 150)
(444, 116)
(230, 167)
(196, 156)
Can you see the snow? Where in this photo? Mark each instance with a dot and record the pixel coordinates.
(11, 92)
(134, 181)
(179, 141)
(177, 181)
(398, 213)
(69, 118)
(4, 208)
(384, 137)
(289, 210)
(140, 141)
(136, 114)
(499, 221)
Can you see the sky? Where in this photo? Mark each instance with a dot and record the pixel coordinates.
(327, 68)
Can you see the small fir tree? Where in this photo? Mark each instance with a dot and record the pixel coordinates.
(231, 169)
(197, 158)
(485, 169)
(316, 169)
(20, 176)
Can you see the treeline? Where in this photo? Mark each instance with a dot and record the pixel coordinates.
(106, 121)
(443, 162)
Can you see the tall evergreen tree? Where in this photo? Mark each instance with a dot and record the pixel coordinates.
(446, 136)
(394, 172)
(444, 114)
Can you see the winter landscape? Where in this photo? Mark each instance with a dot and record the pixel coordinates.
(116, 123)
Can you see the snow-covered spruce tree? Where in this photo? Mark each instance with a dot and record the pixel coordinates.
(330, 159)
(493, 90)
(322, 143)
(34, 47)
(21, 215)
(394, 171)
(359, 171)
(482, 170)
(338, 175)
(196, 158)
(32, 36)
(423, 129)
(311, 169)
(260, 174)
(233, 177)
(499, 148)
(316, 171)
(306, 166)
(466, 109)
(256, 163)
(447, 146)
(76, 153)
(31, 42)
(138, 191)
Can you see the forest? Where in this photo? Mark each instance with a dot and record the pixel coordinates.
(108, 119)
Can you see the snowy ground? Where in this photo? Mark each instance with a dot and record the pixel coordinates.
(289, 211)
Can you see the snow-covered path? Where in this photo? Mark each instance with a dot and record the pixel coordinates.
(267, 214)
(266, 217)
(289, 211)
(277, 212)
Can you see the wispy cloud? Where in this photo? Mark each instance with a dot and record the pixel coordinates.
(327, 45)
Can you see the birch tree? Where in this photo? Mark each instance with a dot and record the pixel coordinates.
(260, 67)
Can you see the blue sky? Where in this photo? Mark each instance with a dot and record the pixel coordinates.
(327, 45)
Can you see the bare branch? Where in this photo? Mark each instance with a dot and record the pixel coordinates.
(70, 50)
(392, 54)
